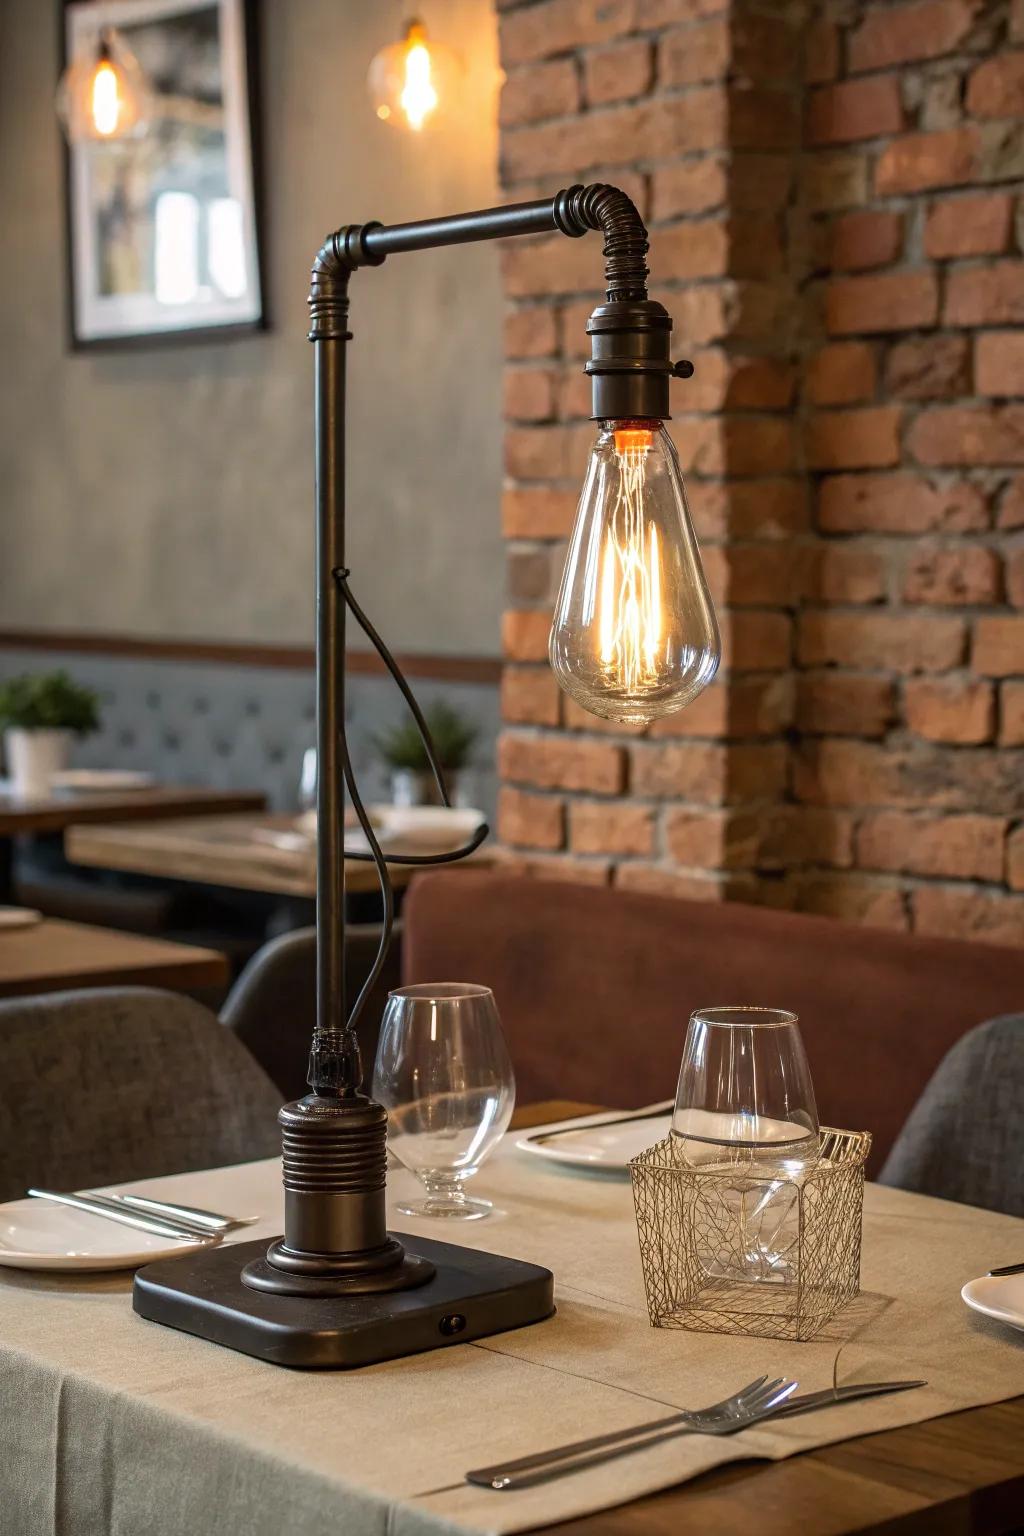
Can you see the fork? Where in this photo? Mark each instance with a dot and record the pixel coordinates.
(751, 1403)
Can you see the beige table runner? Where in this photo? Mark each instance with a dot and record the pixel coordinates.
(109, 1424)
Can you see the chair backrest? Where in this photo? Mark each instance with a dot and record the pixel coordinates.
(595, 987)
(272, 1006)
(964, 1139)
(101, 1086)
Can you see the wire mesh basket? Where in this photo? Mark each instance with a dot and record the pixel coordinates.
(747, 1250)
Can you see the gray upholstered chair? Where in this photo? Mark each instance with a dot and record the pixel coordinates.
(964, 1138)
(272, 1006)
(101, 1086)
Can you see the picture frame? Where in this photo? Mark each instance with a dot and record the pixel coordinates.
(163, 228)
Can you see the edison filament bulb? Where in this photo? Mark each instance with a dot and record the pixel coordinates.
(103, 95)
(634, 633)
(409, 80)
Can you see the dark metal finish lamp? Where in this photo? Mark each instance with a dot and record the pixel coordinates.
(337, 1289)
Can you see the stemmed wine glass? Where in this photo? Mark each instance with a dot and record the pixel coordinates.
(444, 1075)
(745, 1107)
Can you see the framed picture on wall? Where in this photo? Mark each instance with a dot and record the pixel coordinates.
(163, 233)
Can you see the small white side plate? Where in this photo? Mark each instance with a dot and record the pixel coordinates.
(998, 1296)
(605, 1145)
(101, 780)
(36, 1235)
(19, 917)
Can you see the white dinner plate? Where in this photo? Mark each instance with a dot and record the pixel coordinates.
(407, 829)
(101, 780)
(604, 1146)
(998, 1296)
(19, 917)
(37, 1235)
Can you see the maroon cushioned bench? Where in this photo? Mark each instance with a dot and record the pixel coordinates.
(595, 987)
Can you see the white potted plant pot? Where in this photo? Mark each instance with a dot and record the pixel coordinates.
(33, 757)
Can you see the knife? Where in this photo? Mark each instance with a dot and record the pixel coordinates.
(96, 1205)
(1008, 1269)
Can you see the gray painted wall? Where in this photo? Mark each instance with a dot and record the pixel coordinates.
(168, 492)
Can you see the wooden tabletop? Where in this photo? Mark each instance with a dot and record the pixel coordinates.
(960, 1475)
(220, 850)
(54, 955)
(61, 809)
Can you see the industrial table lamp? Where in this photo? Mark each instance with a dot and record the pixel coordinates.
(634, 637)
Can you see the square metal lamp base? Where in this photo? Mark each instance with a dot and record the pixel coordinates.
(472, 1295)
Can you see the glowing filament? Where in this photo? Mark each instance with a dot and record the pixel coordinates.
(106, 100)
(629, 605)
(418, 98)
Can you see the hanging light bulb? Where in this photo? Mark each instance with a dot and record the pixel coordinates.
(103, 94)
(634, 634)
(409, 80)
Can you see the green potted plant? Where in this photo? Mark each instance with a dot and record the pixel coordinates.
(402, 751)
(39, 715)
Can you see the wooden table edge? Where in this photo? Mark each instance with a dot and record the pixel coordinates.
(893, 1481)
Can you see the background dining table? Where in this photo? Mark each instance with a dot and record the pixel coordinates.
(250, 852)
(64, 808)
(53, 955)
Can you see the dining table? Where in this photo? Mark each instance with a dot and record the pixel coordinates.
(249, 852)
(63, 808)
(112, 1409)
(51, 955)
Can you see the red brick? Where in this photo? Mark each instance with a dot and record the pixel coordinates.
(896, 301)
(892, 34)
(915, 775)
(659, 880)
(964, 434)
(865, 238)
(842, 374)
(1011, 715)
(895, 642)
(539, 91)
(530, 696)
(746, 706)
(547, 453)
(534, 268)
(762, 119)
(969, 575)
(989, 295)
(556, 26)
(855, 109)
(699, 119)
(759, 384)
(853, 899)
(561, 762)
(1015, 577)
(698, 839)
(821, 52)
(976, 225)
(996, 87)
(999, 363)
(967, 847)
(838, 179)
(845, 573)
(859, 439)
(529, 394)
(793, 835)
(754, 641)
(694, 185)
(524, 634)
(844, 704)
(697, 248)
(961, 912)
(553, 866)
(756, 445)
(531, 332)
(765, 47)
(916, 162)
(998, 647)
(615, 829)
(957, 710)
(760, 182)
(577, 718)
(691, 55)
(530, 574)
(1011, 508)
(899, 503)
(618, 72)
(533, 512)
(1017, 21)
(695, 771)
(530, 821)
(929, 368)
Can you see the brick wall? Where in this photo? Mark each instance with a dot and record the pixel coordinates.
(833, 197)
